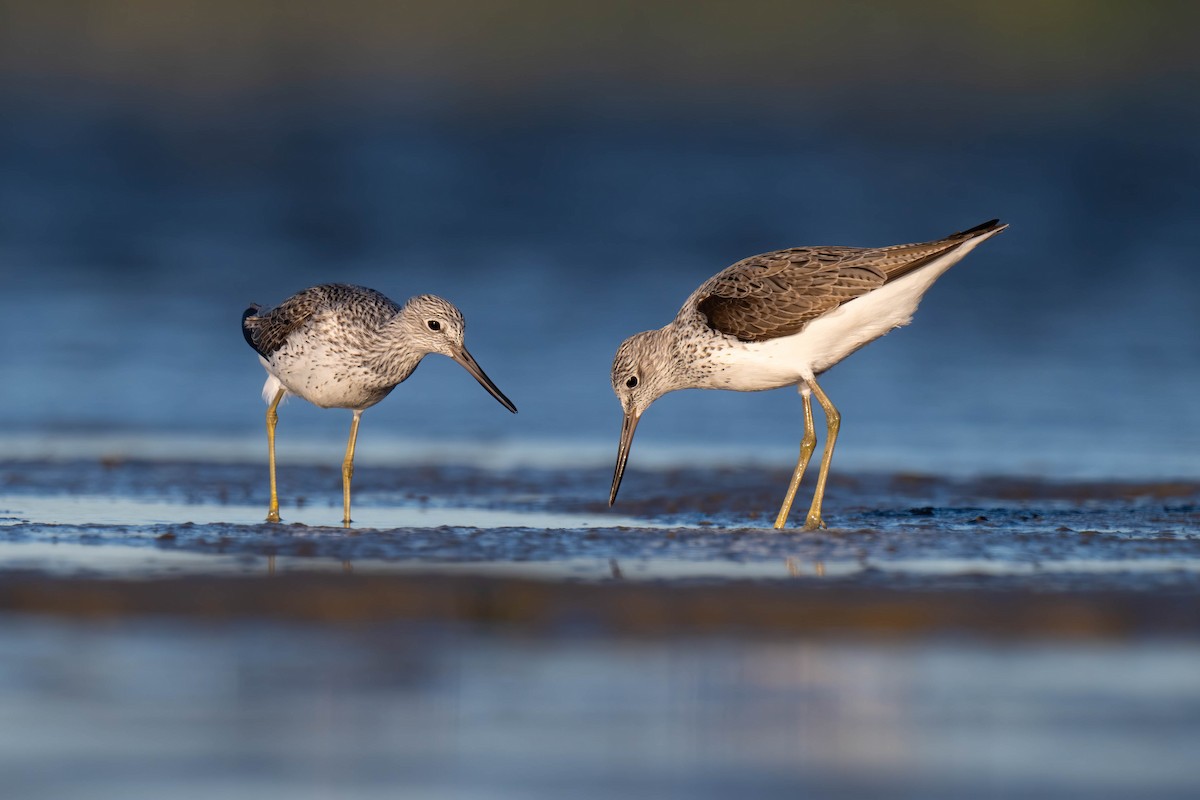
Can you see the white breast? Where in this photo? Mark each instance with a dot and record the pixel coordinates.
(755, 366)
(324, 376)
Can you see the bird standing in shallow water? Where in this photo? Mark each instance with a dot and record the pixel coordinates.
(340, 346)
(781, 319)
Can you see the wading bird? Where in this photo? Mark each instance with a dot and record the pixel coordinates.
(340, 346)
(781, 319)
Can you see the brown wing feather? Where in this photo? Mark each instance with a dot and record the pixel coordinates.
(776, 294)
(267, 332)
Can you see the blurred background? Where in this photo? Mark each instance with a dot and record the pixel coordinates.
(567, 174)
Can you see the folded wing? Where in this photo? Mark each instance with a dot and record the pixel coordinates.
(776, 294)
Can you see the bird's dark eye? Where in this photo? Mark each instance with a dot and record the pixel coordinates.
(632, 382)
(434, 325)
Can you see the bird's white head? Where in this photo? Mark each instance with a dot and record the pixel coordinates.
(429, 324)
(433, 325)
(643, 370)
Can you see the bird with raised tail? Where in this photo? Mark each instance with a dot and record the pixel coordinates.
(781, 319)
(341, 346)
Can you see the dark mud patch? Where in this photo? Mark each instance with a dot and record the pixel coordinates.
(743, 495)
(763, 608)
(100, 518)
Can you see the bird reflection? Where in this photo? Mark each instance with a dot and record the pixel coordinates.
(795, 567)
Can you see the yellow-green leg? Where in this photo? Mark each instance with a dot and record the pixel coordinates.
(833, 422)
(807, 444)
(272, 419)
(348, 468)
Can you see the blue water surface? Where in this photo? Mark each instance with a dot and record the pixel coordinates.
(1069, 345)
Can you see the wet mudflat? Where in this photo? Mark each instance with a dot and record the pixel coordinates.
(145, 519)
(502, 633)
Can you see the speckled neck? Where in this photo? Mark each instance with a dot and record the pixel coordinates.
(691, 352)
(392, 358)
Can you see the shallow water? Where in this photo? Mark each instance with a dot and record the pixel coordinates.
(149, 519)
(560, 236)
(104, 510)
(489, 628)
(286, 711)
(132, 539)
(500, 632)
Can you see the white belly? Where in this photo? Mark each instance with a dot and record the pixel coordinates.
(755, 366)
(323, 377)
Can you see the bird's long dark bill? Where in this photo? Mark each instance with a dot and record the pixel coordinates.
(472, 366)
(628, 426)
